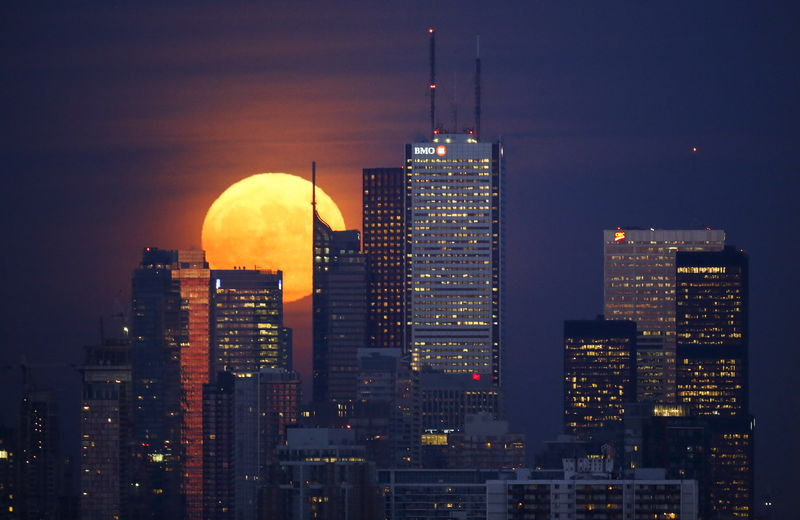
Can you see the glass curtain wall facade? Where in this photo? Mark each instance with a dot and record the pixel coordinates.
(712, 369)
(170, 365)
(599, 373)
(156, 329)
(711, 303)
(639, 285)
(247, 321)
(339, 312)
(192, 274)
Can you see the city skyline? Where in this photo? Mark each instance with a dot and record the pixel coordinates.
(618, 152)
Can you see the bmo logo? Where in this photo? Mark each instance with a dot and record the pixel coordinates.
(440, 150)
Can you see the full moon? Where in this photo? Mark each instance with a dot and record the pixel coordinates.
(264, 222)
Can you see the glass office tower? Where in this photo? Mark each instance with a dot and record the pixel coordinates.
(247, 332)
(639, 285)
(338, 312)
(711, 325)
(454, 255)
(170, 354)
(383, 218)
(599, 373)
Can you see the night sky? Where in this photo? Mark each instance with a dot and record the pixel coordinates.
(122, 123)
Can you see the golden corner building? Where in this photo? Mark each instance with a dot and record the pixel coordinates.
(454, 255)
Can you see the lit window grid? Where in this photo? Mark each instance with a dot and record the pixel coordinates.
(597, 379)
(453, 251)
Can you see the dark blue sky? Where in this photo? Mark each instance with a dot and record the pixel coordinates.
(122, 123)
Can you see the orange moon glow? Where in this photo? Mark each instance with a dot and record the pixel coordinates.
(264, 221)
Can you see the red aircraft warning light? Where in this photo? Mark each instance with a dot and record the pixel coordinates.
(476, 377)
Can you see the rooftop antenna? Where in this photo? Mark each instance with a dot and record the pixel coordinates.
(477, 87)
(314, 185)
(432, 85)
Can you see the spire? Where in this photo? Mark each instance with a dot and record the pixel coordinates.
(314, 185)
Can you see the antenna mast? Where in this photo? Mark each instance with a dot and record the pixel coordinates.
(477, 87)
(314, 185)
(432, 85)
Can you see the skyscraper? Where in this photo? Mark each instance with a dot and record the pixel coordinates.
(339, 312)
(712, 368)
(639, 285)
(218, 448)
(246, 418)
(383, 218)
(192, 274)
(170, 364)
(711, 326)
(599, 373)
(247, 321)
(156, 329)
(39, 464)
(106, 431)
(454, 255)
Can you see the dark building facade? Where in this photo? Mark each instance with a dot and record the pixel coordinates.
(170, 344)
(245, 421)
(8, 472)
(712, 369)
(485, 443)
(39, 469)
(218, 448)
(383, 219)
(156, 333)
(437, 494)
(714, 450)
(386, 414)
(592, 498)
(338, 313)
(447, 399)
(247, 332)
(322, 474)
(711, 323)
(599, 373)
(106, 431)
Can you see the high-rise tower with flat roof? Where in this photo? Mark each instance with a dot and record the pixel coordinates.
(383, 203)
(639, 285)
(599, 373)
(454, 255)
(711, 325)
(170, 358)
(247, 332)
(106, 430)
